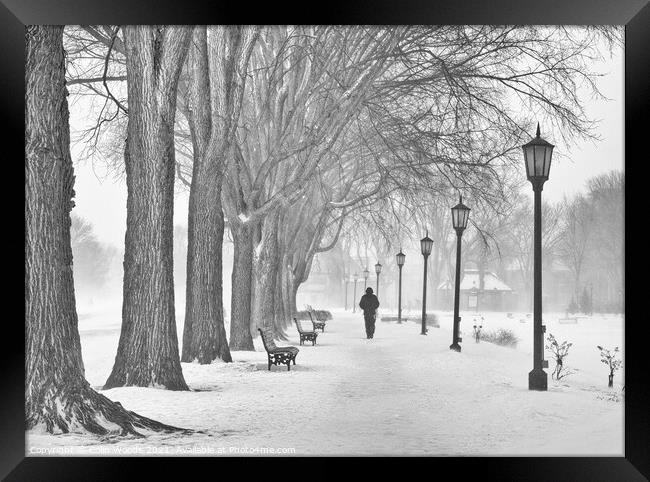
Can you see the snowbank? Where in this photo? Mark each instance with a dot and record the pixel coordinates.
(399, 394)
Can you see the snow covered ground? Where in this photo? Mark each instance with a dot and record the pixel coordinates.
(399, 394)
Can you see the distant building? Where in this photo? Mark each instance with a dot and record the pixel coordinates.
(487, 292)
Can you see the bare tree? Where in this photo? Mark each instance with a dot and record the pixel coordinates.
(147, 353)
(218, 62)
(57, 395)
(577, 226)
(93, 259)
(606, 194)
(519, 237)
(96, 76)
(307, 84)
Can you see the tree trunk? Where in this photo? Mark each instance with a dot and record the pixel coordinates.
(285, 292)
(266, 265)
(57, 395)
(295, 279)
(204, 335)
(289, 293)
(293, 294)
(242, 284)
(281, 316)
(147, 354)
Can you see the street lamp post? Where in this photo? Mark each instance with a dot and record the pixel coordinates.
(354, 300)
(537, 159)
(366, 273)
(377, 270)
(459, 218)
(401, 257)
(426, 244)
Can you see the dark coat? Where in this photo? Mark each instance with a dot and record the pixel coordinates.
(369, 304)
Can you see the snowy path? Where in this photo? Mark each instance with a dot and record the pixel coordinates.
(400, 393)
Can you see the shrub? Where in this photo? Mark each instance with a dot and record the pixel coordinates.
(502, 336)
(323, 315)
(610, 358)
(302, 315)
(318, 314)
(431, 320)
(559, 351)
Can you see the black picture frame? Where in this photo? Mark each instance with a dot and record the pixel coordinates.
(634, 14)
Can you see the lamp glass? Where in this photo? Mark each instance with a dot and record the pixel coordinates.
(460, 215)
(401, 257)
(426, 244)
(537, 158)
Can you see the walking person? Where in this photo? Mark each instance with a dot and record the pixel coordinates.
(369, 304)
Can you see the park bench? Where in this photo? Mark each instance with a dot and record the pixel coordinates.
(305, 335)
(278, 355)
(318, 324)
(568, 320)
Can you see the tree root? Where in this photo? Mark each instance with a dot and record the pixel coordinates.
(85, 410)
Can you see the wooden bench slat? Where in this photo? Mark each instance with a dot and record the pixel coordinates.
(277, 355)
(318, 324)
(305, 335)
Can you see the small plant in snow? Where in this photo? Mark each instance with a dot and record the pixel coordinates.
(559, 351)
(610, 358)
(477, 332)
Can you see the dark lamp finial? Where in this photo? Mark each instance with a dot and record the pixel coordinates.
(538, 134)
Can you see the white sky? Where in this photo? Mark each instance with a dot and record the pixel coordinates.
(102, 200)
(568, 174)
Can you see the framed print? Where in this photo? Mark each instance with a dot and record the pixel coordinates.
(381, 232)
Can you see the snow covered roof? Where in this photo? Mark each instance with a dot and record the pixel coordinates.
(471, 280)
(490, 281)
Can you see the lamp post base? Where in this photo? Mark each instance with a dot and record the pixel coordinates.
(455, 347)
(538, 380)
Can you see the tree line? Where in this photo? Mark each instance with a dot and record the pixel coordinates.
(582, 234)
